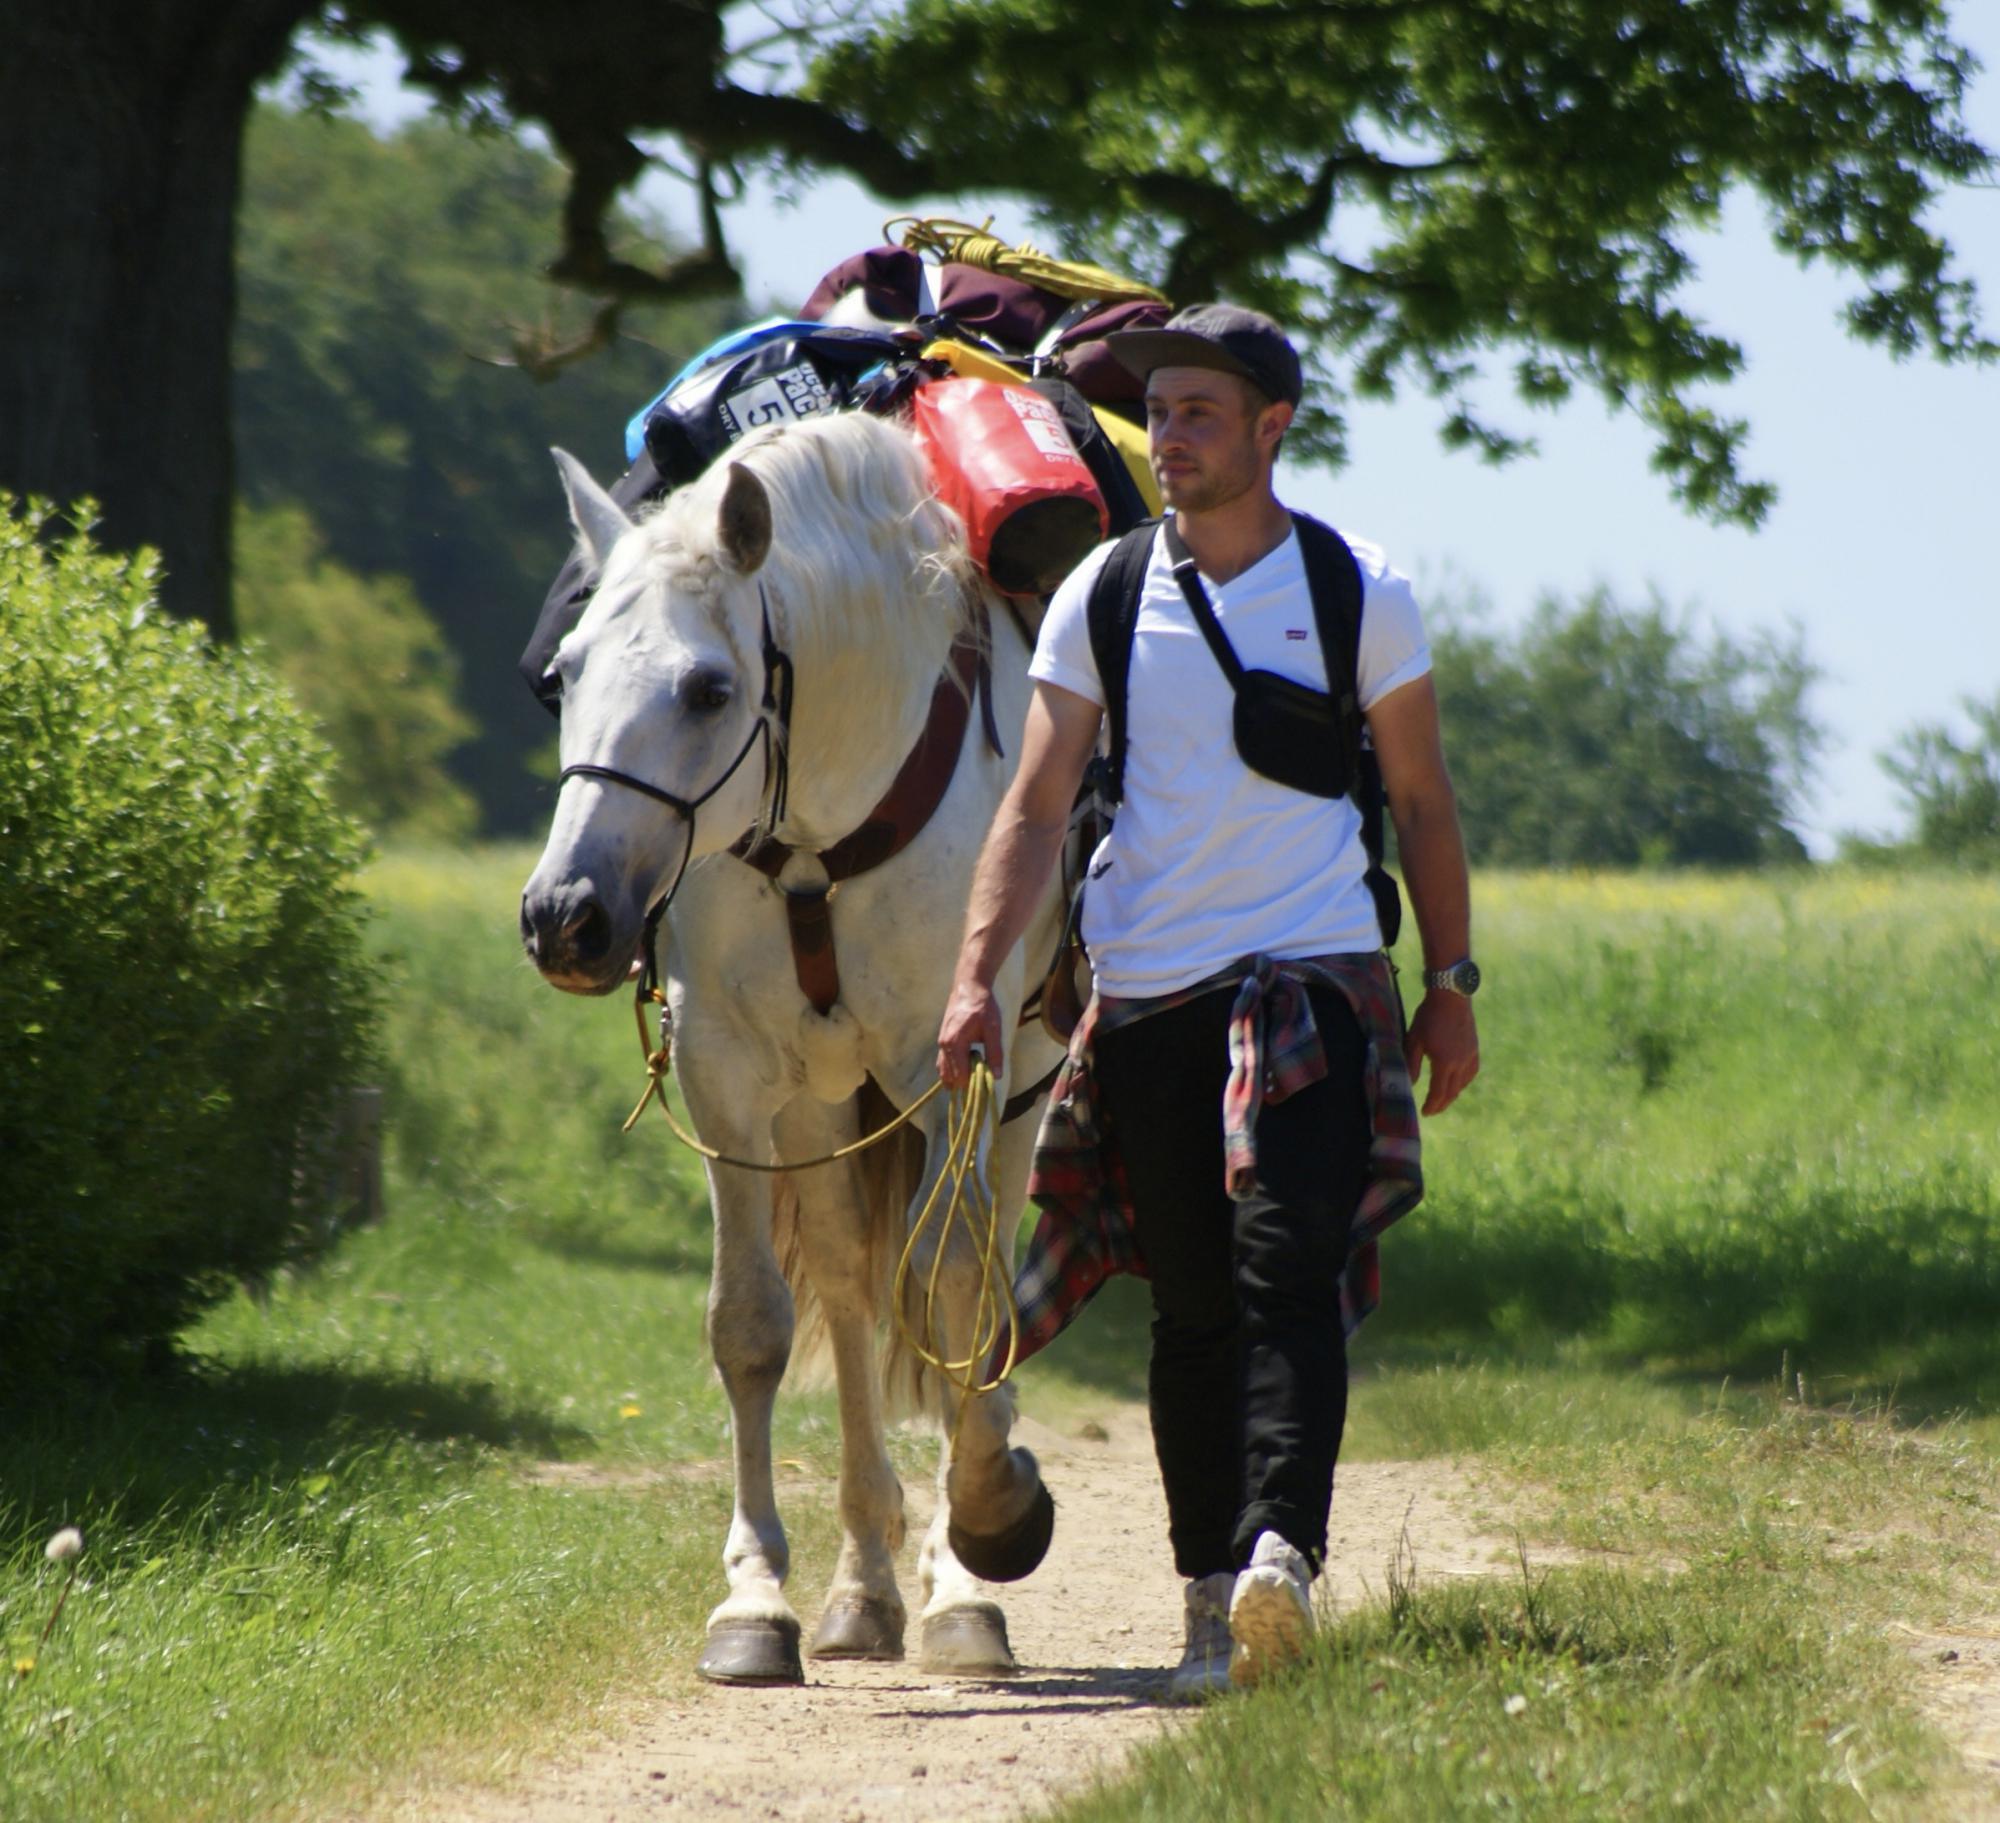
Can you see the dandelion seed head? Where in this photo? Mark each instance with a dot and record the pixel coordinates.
(64, 1545)
(1515, 1704)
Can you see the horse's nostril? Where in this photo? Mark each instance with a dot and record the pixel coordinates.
(530, 940)
(589, 933)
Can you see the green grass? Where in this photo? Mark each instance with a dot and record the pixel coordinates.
(1733, 1648)
(319, 1556)
(1722, 1123)
(1726, 1128)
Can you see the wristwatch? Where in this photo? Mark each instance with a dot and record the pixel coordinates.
(1461, 978)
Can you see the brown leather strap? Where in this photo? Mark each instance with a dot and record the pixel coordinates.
(1020, 1103)
(810, 917)
(898, 818)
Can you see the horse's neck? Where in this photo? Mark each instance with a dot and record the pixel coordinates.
(852, 728)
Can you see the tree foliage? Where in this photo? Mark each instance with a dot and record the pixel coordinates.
(384, 284)
(1423, 186)
(1415, 183)
(1952, 786)
(1607, 736)
(184, 1000)
(1422, 183)
(366, 662)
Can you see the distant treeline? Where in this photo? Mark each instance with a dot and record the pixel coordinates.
(402, 521)
(379, 283)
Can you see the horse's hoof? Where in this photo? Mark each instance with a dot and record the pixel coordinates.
(752, 1652)
(1010, 1555)
(970, 1641)
(862, 1627)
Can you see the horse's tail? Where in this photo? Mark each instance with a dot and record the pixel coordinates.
(888, 1178)
(891, 1175)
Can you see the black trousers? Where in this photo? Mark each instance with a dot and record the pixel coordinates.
(1248, 1380)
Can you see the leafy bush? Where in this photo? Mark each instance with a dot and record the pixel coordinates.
(1605, 736)
(369, 664)
(184, 1003)
(1953, 787)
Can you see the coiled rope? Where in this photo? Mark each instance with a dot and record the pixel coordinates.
(945, 239)
(961, 1195)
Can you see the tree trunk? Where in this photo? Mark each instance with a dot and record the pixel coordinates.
(121, 127)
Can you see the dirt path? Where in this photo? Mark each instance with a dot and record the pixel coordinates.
(1094, 1629)
(1958, 1687)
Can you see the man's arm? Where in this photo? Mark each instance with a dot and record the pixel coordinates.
(1404, 728)
(1014, 863)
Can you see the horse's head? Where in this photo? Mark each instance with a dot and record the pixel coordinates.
(668, 696)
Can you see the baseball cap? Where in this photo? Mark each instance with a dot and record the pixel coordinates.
(1225, 337)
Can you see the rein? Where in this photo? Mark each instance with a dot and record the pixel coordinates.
(963, 1193)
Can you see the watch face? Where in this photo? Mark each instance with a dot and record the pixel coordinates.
(1467, 974)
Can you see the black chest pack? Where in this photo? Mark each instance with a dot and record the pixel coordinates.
(1310, 740)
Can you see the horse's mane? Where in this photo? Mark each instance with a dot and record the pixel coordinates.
(864, 562)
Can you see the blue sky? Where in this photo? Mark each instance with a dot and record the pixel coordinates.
(1882, 545)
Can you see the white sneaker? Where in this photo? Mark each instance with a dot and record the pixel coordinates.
(1204, 1667)
(1270, 1610)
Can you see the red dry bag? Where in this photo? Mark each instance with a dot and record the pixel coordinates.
(1001, 459)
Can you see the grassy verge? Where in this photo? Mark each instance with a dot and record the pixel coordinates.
(324, 1554)
(1725, 1123)
(1724, 1126)
(1735, 1646)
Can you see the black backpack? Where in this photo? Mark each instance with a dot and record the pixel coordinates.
(1333, 579)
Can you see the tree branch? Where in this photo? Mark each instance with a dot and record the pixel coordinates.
(743, 122)
(538, 354)
(602, 164)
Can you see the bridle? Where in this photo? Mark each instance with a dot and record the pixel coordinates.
(776, 707)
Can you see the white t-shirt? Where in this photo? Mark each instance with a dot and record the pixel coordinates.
(1209, 861)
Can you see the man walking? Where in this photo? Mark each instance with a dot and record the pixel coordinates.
(1235, 1117)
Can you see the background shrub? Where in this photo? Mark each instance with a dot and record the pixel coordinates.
(1602, 735)
(361, 656)
(184, 1002)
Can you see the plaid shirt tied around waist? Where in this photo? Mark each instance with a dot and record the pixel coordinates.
(1078, 1181)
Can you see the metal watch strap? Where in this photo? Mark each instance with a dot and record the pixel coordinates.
(1454, 980)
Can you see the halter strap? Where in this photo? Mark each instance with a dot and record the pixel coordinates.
(775, 706)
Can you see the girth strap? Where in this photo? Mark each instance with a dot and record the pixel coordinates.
(898, 818)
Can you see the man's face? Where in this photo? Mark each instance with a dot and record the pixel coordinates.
(1213, 436)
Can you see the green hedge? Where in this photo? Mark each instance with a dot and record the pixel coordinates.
(185, 1005)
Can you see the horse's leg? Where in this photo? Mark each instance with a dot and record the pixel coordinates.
(864, 1614)
(993, 1515)
(753, 1636)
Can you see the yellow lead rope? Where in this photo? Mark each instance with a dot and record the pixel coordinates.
(963, 1193)
(945, 239)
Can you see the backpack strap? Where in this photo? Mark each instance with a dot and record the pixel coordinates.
(1333, 579)
(1113, 616)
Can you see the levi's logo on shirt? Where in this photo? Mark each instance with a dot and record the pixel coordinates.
(1295, 632)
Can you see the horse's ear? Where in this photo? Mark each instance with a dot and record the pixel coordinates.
(744, 521)
(600, 521)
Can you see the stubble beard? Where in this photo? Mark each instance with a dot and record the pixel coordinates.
(1200, 492)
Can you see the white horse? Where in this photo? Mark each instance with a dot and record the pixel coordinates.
(818, 550)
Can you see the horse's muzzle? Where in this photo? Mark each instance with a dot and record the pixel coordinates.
(569, 935)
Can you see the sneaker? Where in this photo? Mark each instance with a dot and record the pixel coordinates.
(1270, 1610)
(1204, 1667)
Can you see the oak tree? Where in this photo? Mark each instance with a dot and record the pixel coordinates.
(1424, 186)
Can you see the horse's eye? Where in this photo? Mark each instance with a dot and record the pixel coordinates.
(708, 694)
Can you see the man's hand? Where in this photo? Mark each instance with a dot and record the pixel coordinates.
(1443, 1031)
(971, 1017)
